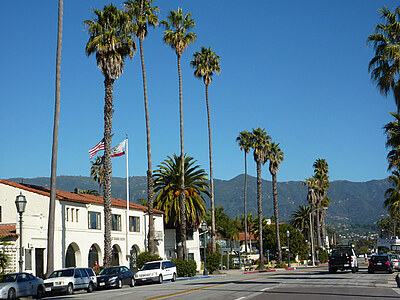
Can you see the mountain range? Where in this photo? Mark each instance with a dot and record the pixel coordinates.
(351, 202)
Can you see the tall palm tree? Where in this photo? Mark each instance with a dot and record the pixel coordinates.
(392, 132)
(275, 157)
(206, 63)
(244, 141)
(301, 219)
(385, 65)
(322, 180)
(111, 41)
(97, 171)
(324, 211)
(168, 186)
(178, 36)
(259, 143)
(312, 196)
(392, 194)
(143, 15)
(52, 203)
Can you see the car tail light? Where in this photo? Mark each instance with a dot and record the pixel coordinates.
(387, 263)
(328, 259)
(351, 259)
(371, 263)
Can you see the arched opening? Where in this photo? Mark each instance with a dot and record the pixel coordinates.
(94, 255)
(73, 256)
(133, 258)
(115, 255)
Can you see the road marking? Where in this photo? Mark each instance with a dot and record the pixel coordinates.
(240, 298)
(396, 290)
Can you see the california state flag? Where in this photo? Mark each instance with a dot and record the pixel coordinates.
(118, 150)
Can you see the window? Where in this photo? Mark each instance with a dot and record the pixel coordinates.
(28, 259)
(0, 214)
(77, 214)
(94, 220)
(190, 256)
(134, 224)
(189, 234)
(72, 214)
(116, 222)
(66, 214)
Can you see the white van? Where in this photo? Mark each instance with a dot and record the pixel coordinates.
(156, 271)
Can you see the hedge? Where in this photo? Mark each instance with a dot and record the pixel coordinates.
(185, 268)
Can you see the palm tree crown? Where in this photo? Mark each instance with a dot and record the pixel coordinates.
(392, 131)
(142, 16)
(392, 195)
(301, 219)
(205, 63)
(385, 65)
(259, 142)
(275, 157)
(244, 141)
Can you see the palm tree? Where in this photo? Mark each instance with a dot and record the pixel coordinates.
(275, 157)
(392, 132)
(111, 41)
(206, 63)
(324, 211)
(97, 171)
(244, 141)
(168, 186)
(385, 65)
(312, 196)
(178, 36)
(301, 219)
(143, 15)
(392, 195)
(259, 142)
(52, 203)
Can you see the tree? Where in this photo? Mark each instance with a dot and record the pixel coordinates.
(143, 15)
(392, 132)
(53, 178)
(312, 197)
(97, 171)
(178, 36)
(167, 183)
(326, 201)
(275, 157)
(259, 142)
(226, 227)
(301, 220)
(206, 63)
(111, 41)
(244, 141)
(392, 195)
(385, 65)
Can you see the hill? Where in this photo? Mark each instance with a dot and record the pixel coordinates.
(351, 202)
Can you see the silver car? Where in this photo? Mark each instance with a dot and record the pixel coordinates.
(395, 261)
(15, 285)
(69, 280)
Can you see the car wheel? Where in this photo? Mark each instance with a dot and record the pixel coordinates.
(332, 270)
(174, 277)
(12, 294)
(132, 282)
(90, 287)
(119, 283)
(39, 293)
(160, 279)
(353, 270)
(370, 271)
(70, 289)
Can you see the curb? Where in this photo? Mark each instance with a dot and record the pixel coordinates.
(192, 278)
(287, 269)
(259, 271)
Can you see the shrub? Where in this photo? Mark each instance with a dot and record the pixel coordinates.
(322, 255)
(213, 261)
(281, 265)
(185, 268)
(145, 257)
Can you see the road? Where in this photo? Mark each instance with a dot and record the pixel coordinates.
(310, 283)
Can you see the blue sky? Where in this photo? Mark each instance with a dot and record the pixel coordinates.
(296, 68)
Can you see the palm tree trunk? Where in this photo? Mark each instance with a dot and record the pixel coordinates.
(108, 114)
(318, 224)
(52, 203)
(245, 205)
(323, 228)
(260, 236)
(182, 246)
(213, 241)
(275, 196)
(150, 183)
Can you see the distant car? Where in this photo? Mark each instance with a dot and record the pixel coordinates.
(69, 280)
(395, 261)
(115, 277)
(16, 285)
(380, 263)
(157, 271)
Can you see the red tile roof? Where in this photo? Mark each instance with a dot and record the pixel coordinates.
(7, 230)
(249, 235)
(74, 197)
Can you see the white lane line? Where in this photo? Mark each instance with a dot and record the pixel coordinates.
(396, 290)
(240, 298)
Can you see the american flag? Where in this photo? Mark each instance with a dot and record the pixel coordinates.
(97, 148)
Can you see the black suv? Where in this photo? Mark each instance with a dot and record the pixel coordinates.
(342, 258)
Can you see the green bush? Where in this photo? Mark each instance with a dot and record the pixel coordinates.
(322, 255)
(185, 268)
(213, 261)
(145, 257)
(281, 265)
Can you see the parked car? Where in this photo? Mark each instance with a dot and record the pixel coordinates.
(395, 261)
(156, 271)
(92, 276)
(115, 277)
(68, 280)
(15, 285)
(380, 263)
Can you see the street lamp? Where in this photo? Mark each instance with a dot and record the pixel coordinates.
(288, 236)
(20, 203)
(204, 228)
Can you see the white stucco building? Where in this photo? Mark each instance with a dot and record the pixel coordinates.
(79, 228)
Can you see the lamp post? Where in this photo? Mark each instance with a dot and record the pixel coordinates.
(20, 203)
(288, 248)
(204, 228)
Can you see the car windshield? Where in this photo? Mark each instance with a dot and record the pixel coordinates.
(338, 252)
(151, 266)
(62, 273)
(109, 271)
(379, 258)
(8, 278)
(394, 256)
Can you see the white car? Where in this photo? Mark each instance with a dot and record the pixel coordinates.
(156, 271)
(68, 280)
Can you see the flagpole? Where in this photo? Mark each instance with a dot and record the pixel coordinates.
(127, 200)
